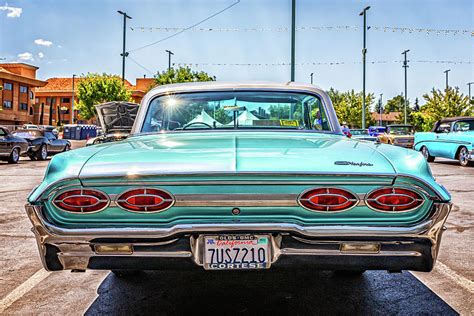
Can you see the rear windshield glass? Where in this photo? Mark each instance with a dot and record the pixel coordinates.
(236, 110)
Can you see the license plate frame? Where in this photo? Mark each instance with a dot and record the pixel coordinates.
(238, 259)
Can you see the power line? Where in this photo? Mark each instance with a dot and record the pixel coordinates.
(409, 30)
(187, 28)
(333, 63)
(141, 66)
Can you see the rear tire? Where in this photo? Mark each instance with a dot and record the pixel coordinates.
(426, 153)
(42, 153)
(463, 157)
(14, 156)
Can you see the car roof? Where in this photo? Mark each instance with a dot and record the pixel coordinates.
(456, 118)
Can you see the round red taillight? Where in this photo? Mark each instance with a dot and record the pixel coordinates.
(393, 200)
(145, 200)
(327, 200)
(81, 201)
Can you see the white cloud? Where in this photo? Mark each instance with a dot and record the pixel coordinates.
(12, 12)
(40, 55)
(43, 42)
(59, 46)
(26, 56)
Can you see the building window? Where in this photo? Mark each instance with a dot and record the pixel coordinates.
(8, 86)
(23, 89)
(65, 100)
(32, 96)
(24, 106)
(7, 104)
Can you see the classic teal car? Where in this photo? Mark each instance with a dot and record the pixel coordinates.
(238, 176)
(451, 138)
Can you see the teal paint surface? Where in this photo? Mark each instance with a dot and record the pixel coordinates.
(234, 156)
(444, 145)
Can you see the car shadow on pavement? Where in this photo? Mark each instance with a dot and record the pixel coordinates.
(265, 292)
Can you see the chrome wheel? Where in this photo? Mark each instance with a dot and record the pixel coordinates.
(463, 157)
(42, 153)
(425, 152)
(14, 156)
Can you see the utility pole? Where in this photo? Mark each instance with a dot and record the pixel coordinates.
(293, 31)
(364, 53)
(124, 53)
(72, 100)
(446, 72)
(469, 85)
(405, 65)
(313, 74)
(381, 109)
(169, 58)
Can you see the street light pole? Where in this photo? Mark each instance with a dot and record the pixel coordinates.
(124, 53)
(313, 74)
(72, 100)
(446, 72)
(381, 109)
(364, 53)
(469, 85)
(405, 65)
(169, 58)
(293, 31)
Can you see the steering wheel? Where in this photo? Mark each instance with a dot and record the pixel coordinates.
(194, 123)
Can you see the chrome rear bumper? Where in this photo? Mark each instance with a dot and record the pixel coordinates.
(399, 247)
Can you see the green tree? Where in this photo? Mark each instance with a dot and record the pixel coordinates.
(440, 104)
(397, 104)
(348, 107)
(181, 74)
(95, 88)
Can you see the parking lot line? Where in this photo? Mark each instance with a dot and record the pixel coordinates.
(22, 289)
(458, 279)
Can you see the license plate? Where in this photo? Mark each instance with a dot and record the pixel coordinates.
(236, 252)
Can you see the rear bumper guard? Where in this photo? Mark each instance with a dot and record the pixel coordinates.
(323, 246)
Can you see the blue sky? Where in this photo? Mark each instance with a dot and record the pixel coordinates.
(66, 37)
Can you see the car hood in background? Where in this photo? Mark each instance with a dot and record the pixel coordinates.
(117, 116)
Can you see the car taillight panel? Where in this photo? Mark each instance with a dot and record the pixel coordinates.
(327, 200)
(145, 200)
(81, 201)
(394, 199)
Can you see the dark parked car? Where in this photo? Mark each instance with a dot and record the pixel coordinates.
(116, 121)
(43, 142)
(11, 147)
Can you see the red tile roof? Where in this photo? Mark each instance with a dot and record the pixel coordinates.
(65, 85)
(389, 117)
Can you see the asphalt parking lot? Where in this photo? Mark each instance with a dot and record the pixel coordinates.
(25, 288)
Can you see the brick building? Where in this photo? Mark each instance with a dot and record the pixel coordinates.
(17, 84)
(56, 97)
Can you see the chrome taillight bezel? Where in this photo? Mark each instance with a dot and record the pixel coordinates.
(419, 194)
(119, 200)
(80, 210)
(355, 199)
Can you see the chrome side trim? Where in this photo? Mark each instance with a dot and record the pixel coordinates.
(238, 199)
